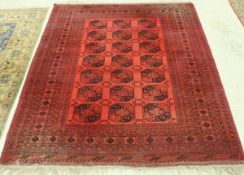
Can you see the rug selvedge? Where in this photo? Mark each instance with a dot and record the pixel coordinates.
(19, 29)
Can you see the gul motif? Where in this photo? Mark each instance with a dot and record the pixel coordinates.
(151, 60)
(122, 75)
(96, 35)
(148, 35)
(122, 61)
(121, 47)
(91, 76)
(122, 35)
(94, 47)
(154, 93)
(147, 23)
(156, 112)
(153, 75)
(87, 113)
(93, 61)
(122, 24)
(121, 112)
(149, 47)
(98, 24)
(89, 93)
(121, 93)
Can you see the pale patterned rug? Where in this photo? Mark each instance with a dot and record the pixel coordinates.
(19, 30)
(238, 7)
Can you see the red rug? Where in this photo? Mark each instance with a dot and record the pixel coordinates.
(123, 84)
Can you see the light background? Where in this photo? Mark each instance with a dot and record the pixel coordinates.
(225, 35)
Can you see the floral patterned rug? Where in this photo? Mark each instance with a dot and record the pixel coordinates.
(19, 30)
(238, 7)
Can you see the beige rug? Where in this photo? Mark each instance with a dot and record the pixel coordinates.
(238, 7)
(19, 30)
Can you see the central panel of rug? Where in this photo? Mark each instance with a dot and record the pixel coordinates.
(123, 84)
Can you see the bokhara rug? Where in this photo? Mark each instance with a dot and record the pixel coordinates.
(123, 85)
(19, 30)
(238, 7)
